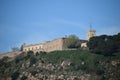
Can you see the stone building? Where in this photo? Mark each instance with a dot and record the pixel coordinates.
(54, 45)
(91, 33)
(84, 45)
(57, 44)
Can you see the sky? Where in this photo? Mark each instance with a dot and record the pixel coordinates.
(36, 21)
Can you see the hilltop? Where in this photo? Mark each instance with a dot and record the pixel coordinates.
(59, 65)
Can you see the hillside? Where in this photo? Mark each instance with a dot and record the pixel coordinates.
(10, 54)
(61, 65)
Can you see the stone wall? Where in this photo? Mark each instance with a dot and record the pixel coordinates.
(57, 44)
(54, 45)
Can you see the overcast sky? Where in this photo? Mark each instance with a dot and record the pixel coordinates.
(34, 21)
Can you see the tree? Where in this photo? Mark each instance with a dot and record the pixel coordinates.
(72, 41)
(106, 45)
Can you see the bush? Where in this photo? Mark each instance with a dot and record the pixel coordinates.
(100, 72)
(105, 45)
(19, 58)
(34, 73)
(72, 41)
(33, 60)
(24, 78)
(30, 53)
(15, 75)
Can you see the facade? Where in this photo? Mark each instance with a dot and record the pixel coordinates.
(91, 33)
(57, 44)
(84, 45)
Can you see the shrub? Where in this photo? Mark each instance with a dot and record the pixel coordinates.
(33, 60)
(15, 75)
(24, 78)
(72, 41)
(105, 45)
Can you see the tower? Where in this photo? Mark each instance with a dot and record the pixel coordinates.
(23, 45)
(90, 33)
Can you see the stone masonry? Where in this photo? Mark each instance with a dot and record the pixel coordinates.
(57, 44)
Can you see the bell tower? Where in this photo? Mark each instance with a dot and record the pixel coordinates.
(90, 33)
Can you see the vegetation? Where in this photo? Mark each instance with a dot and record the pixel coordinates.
(105, 45)
(78, 62)
(72, 41)
(81, 61)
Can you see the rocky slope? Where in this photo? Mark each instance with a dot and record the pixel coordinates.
(60, 65)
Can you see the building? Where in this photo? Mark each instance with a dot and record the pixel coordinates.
(57, 44)
(54, 45)
(84, 45)
(90, 33)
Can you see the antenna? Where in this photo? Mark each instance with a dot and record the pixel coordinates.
(90, 26)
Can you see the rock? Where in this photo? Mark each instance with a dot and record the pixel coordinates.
(85, 77)
(61, 77)
(40, 65)
(27, 64)
(26, 73)
(82, 63)
(33, 65)
(52, 77)
(65, 64)
(114, 63)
